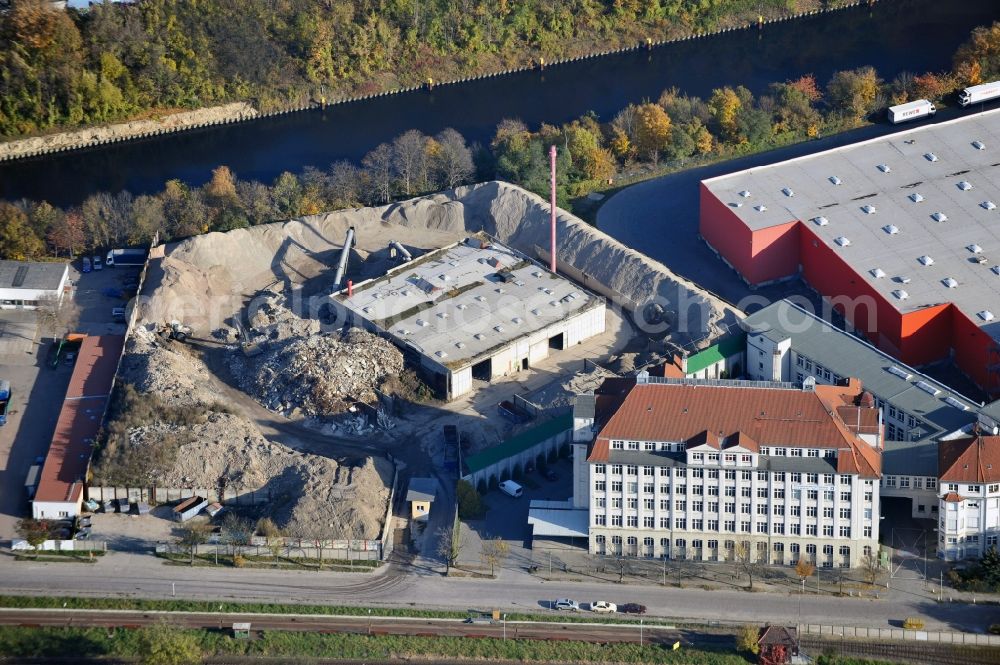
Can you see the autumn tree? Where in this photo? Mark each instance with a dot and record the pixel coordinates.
(854, 92)
(191, 536)
(746, 561)
(804, 569)
(871, 568)
(17, 240)
(725, 106)
(493, 551)
(66, 234)
(931, 86)
(35, 532)
(978, 59)
(344, 183)
(652, 130)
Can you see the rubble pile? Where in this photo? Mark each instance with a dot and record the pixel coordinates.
(322, 374)
(166, 369)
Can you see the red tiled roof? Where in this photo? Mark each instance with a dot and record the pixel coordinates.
(953, 497)
(764, 416)
(975, 459)
(79, 420)
(704, 438)
(741, 440)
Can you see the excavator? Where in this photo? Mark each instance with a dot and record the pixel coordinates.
(175, 330)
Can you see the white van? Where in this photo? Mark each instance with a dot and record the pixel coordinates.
(512, 488)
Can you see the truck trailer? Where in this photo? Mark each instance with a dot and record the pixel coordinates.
(31, 481)
(920, 108)
(979, 93)
(126, 257)
(4, 400)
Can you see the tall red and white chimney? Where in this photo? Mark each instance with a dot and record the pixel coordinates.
(552, 163)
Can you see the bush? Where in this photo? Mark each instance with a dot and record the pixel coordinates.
(518, 472)
(913, 623)
(746, 638)
(482, 487)
(267, 528)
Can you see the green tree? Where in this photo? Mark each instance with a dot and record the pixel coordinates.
(978, 59)
(470, 504)
(746, 639)
(163, 644)
(34, 531)
(990, 566)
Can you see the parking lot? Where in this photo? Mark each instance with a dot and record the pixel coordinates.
(507, 517)
(37, 388)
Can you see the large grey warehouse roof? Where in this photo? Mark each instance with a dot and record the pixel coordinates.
(916, 213)
(36, 276)
(941, 409)
(459, 302)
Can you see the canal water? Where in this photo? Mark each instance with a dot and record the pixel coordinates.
(893, 36)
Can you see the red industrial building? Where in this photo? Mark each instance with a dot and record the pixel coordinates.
(901, 233)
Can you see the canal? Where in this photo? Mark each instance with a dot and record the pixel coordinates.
(893, 36)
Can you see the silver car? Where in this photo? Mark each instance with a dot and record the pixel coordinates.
(566, 604)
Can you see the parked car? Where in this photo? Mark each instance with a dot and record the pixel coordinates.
(603, 607)
(550, 475)
(98, 264)
(85, 264)
(566, 604)
(82, 534)
(632, 608)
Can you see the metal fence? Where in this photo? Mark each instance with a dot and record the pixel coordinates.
(865, 633)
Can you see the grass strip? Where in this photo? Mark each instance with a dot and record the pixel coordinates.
(178, 605)
(29, 642)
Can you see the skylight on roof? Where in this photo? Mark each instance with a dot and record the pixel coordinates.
(900, 294)
(891, 229)
(517, 320)
(979, 145)
(877, 273)
(950, 282)
(927, 388)
(930, 156)
(996, 269)
(916, 197)
(787, 191)
(964, 185)
(925, 260)
(975, 249)
(821, 221)
(868, 209)
(421, 323)
(498, 328)
(939, 217)
(951, 401)
(985, 315)
(901, 373)
(745, 193)
(835, 180)
(441, 354)
(760, 208)
(459, 345)
(479, 336)
(842, 241)
(903, 279)
(989, 205)
(884, 168)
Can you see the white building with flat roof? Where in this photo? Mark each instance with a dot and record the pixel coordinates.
(475, 310)
(25, 285)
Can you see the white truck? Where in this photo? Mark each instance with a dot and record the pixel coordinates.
(979, 93)
(920, 108)
(126, 257)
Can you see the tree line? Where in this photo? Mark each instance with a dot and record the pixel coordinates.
(672, 131)
(66, 68)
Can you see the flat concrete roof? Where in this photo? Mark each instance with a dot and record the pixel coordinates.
(942, 413)
(558, 519)
(34, 276)
(905, 458)
(421, 489)
(951, 169)
(458, 303)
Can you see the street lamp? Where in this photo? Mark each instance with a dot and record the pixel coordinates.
(504, 626)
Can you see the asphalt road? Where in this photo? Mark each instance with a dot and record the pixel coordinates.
(143, 576)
